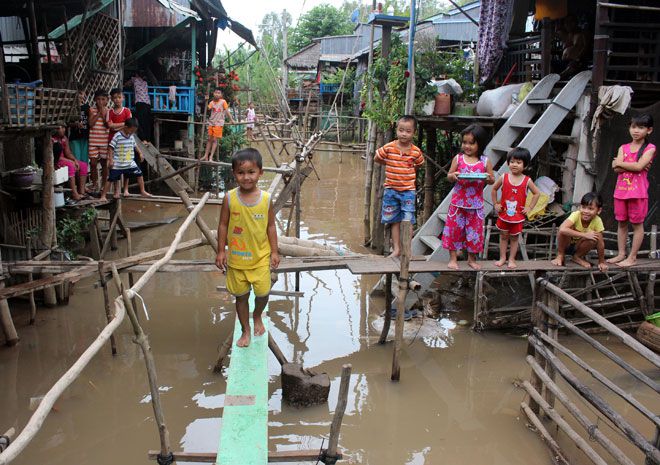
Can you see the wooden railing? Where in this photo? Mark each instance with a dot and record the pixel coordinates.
(25, 106)
(563, 401)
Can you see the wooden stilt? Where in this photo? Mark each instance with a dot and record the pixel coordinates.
(387, 319)
(335, 427)
(401, 298)
(106, 303)
(224, 350)
(275, 349)
(143, 341)
(33, 305)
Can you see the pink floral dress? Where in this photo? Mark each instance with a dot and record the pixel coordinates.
(464, 227)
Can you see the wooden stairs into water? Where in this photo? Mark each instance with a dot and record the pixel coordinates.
(163, 167)
(533, 123)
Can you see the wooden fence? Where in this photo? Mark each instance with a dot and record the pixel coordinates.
(603, 419)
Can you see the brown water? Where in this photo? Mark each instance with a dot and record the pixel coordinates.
(456, 401)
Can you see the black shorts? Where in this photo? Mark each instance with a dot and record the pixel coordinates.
(115, 175)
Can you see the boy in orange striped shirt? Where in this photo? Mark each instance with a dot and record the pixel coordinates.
(401, 159)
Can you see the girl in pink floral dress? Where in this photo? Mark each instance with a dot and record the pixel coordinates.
(631, 194)
(464, 227)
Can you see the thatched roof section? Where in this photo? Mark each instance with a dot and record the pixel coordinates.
(307, 58)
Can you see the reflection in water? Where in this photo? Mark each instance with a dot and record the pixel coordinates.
(453, 405)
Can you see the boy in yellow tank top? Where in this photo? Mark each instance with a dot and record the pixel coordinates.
(247, 228)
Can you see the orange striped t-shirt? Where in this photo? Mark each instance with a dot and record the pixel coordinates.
(99, 133)
(400, 167)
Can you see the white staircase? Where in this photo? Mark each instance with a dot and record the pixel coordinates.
(550, 111)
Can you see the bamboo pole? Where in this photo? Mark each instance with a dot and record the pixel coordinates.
(172, 248)
(598, 402)
(623, 337)
(224, 350)
(405, 229)
(142, 340)
(275, 349)
(545, 435)
(563, 425)
(342, 401)
(586, 423)
(539, 319)
(650, 285)
(39, 416)
(106, 303)
(601, 348)
(206, 231)
(599, 376)
(220, 164)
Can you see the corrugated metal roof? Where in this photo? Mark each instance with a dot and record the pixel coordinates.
(156, 13)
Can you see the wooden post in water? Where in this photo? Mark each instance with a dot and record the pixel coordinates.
(33, 305)
(401, 298)
(342, 401)
(48, 237)
(538, 318)
(106, 303)
(8, 328)
(388, 309)
(429, 174)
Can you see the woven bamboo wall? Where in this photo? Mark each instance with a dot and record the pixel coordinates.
(97, 64)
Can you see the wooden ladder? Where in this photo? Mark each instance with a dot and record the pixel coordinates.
(162, 167)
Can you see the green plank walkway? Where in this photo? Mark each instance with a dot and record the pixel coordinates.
(244, 433)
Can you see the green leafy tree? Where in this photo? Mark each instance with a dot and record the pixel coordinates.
(320, 21)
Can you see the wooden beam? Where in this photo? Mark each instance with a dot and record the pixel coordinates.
(313, 455)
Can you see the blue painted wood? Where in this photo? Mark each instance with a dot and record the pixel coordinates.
(159, 97)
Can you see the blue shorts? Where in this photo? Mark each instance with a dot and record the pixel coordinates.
(398, 206)
(115, 175)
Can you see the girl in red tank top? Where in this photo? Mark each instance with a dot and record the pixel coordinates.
(511, 207)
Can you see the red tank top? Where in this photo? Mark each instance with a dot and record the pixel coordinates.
(120, 117)
(513, 200)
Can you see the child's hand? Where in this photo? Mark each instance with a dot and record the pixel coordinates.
(490, 178)
(590, 235)
(498, 207)
(274, 260)
(452, 176)
(111, 162)
(615, 163)
(221, 261)
(525, 210)
(603, 267)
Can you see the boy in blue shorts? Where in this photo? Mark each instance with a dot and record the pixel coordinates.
(122, 160)
(401, 159)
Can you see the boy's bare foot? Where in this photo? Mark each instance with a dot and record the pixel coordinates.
(103, 199)
(617, 259)
(126, 193)
(452, 264)
(500, 262)
(559, 261)
(116, 195)
(512, 265)
(627, 262)
(145, 194)
(259, 328)
(474, 265)
(581, 261)
(244, 341)
(603, 267)
(395, 253)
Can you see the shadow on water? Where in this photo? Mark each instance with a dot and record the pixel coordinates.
(455, 403)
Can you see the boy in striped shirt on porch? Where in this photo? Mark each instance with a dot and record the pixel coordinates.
(122, 160)
(401, 159)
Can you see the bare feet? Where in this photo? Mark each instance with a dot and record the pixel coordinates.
(581, 261)
(500, 262)
(627, 262)
(395, 253)
(474, 265)
(617, 259)
(559, 261)
(103, 199)
(244, 341)
(126, 193)
(116, 195)
(512, 265)
(145, 194)
(453, 264)
(259, 328)
(603, 267)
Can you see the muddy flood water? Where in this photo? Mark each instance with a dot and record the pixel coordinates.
(457, 401)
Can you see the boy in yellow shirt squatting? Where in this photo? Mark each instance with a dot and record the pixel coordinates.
(247, 227)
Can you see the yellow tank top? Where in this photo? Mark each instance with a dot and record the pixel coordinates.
(247, 236)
